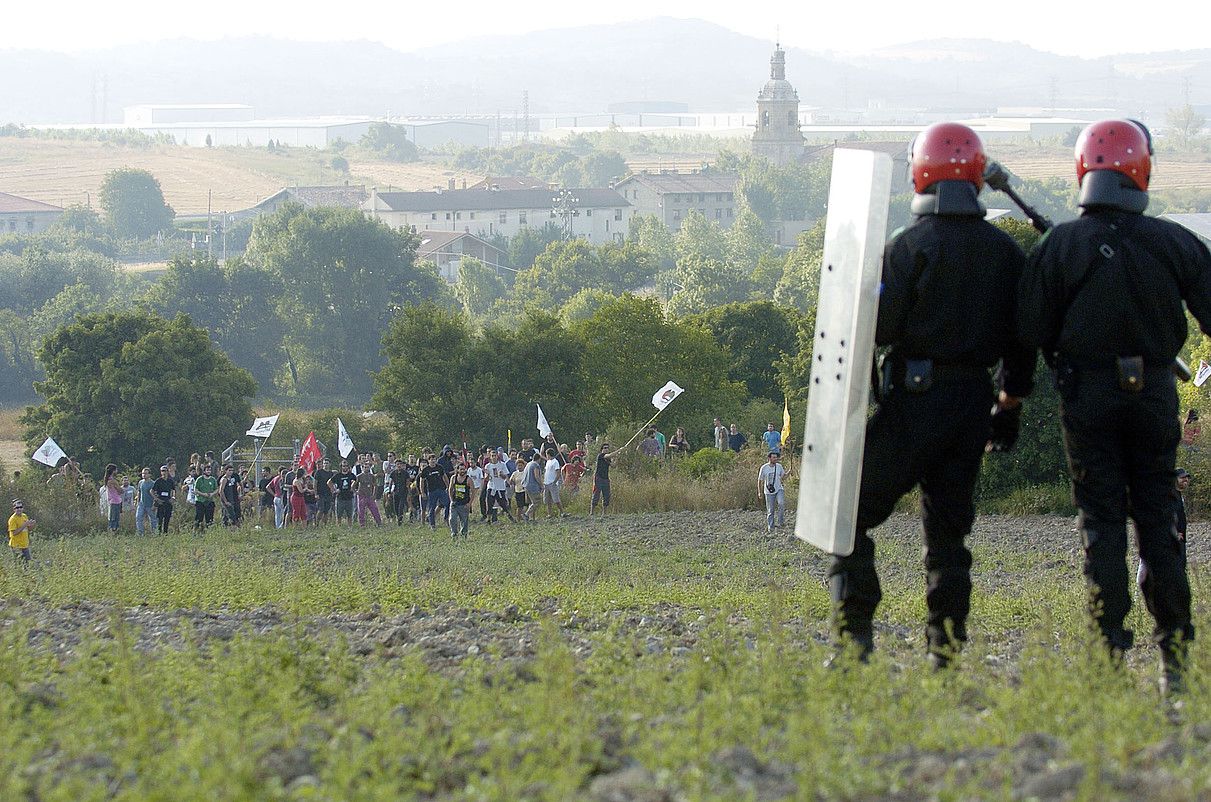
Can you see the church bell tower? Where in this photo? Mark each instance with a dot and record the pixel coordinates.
(777, 136)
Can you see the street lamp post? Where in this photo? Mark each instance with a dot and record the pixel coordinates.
(565, 205)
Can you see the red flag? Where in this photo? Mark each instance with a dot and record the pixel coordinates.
(310, 453)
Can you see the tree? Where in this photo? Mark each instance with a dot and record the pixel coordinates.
(342, 277)
(567, 267)
(131, 387)
(756, 335)
(420, 386)
(134, 204)
(236, 302)
(527, 244)
(1184, 124)
(631, 349)
(479, 286)
(602, 167)
(799, 287)
(390, 141)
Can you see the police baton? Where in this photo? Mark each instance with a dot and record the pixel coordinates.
(997, 177)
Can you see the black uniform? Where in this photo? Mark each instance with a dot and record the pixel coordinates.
(1109, 285)
(948, 296)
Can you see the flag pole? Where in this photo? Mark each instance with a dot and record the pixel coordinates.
(641, 428)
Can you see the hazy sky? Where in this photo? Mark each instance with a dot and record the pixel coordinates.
(1085, 29)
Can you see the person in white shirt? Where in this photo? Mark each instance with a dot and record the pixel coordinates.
(496, 474)
(550, 484)
(475, 475)
(770, 488)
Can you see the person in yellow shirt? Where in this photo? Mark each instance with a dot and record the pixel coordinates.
(19, 526)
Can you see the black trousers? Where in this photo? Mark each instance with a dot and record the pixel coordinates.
(935, 439)
(1121, 452)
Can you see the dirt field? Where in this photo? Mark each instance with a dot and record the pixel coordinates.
(64, 173)
(1168, 173)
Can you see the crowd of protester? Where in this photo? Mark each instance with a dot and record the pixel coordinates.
(446, 487)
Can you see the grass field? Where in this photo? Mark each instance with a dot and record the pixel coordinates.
(650, 657)
(12, 448)
(69, 172)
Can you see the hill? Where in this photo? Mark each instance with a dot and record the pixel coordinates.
(66, 172)
(577, 69)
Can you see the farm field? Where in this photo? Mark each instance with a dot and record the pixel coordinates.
(646, 657)
(66, 172)
(12, 448)
(1169, 173)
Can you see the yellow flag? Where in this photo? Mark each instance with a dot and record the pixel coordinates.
(786, 422)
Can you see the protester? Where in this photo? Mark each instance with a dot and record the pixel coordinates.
(770, 488)
(461, 493)
(146, 506)
(298, 498)
(433, 484)
(517, 481)
(476, 474)
(205, 491)
(649, 446)
(311, 500)
(113, 494)
(679, 445)
(367, 486)
(497, 475)
(736, 440)
(231, 494)
(162, 496)
(266, 493)
(721, 434)
(278, 487)
(572, 473)
(772, 438)
(19, 527)
(342, 486)
(661, 441)
(601, 479)
(413, 469)
(325, 502)
(533, 484)
(551, 476)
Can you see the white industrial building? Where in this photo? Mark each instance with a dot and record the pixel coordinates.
(600, 215)
(161, 114)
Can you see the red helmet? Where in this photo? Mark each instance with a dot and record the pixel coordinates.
(1119, 145)
(947, 152)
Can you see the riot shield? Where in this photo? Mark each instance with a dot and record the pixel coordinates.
(839, 393)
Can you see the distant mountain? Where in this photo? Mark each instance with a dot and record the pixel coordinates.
(580, 69)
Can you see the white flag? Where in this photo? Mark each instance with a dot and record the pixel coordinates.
(262, 427)
(665, 395)
(49, 453)
(1204, 373)
(544, 428)
(344, 443)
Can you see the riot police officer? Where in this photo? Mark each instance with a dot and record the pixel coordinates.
(946, 312)
(1102, 295)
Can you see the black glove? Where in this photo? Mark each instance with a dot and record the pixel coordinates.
(1003, 429)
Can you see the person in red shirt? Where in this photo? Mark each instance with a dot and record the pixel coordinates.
(572, 471)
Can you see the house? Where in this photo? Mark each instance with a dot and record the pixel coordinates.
(900, 152)
(598, 215)
(340, 196)
(671, 196)
(446, 249)
(511, 182)
(24, 216)
(1199, 224)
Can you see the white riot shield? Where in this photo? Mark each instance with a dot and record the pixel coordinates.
(839, 392)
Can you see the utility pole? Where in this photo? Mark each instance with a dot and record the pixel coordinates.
(525, 113)
(209, 228)
(1186, 91)
(1053, 84)
(104, 92)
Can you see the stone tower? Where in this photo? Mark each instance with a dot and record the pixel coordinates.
(777, 136)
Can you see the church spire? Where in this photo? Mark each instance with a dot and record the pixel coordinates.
(777, 63)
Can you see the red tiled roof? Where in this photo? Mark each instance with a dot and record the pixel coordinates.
(15, 204)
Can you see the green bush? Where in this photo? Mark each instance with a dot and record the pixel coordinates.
(705, 461)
